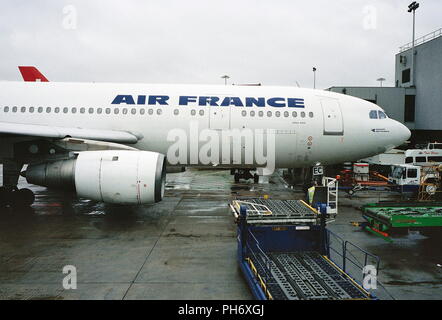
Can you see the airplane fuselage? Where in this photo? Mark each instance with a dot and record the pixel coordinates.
(308, 126)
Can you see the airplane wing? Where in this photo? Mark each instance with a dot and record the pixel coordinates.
(32, 74)
(33, 130)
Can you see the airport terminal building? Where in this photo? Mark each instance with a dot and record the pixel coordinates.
(418, 105)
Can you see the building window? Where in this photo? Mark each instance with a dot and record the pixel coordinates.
(406, 76)
(410, 108)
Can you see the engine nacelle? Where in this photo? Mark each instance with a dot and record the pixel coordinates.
(120, 176)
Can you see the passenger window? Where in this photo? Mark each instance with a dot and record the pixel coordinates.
(74, 110)
(193, 112)
(57, 110)
(302, 114)
(116, 111)
(409, 160)
(14, 109)
(201, 112)
(150, 111)
(421, 159)
(176, 112)
(412, 173)
(124, 110)
(252, 113)
(373, 114)
(40, 109)
(91, 110)
(269, 113)
(23, 109)
(277, 114)
(159, 111)
(261, 113)
(310, 114)
(108, 110)
(294, 114)
(244, 113)
(382, 115)
(82, 110)
(6, 109)
(286, 114)
(99, 110)
(48, 110)
(31, 109)
(65, 110)
(142, 111)
(133, 111)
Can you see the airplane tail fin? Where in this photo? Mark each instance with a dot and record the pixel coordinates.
(32, 74)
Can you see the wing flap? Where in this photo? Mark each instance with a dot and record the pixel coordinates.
(55, 132)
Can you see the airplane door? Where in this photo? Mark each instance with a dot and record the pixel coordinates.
(333, 123)
(219, 117)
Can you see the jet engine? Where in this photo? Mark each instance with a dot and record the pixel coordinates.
(120, 176)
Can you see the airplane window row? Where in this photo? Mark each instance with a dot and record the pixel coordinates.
(278, 114)
(142, 111)
(376, 114)
(133, 111)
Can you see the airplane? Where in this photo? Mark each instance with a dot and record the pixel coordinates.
(111, 142)
(31, 73)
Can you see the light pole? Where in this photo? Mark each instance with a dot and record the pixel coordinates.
(314, 77)
(225, 77)
(381, 80)
(412, 8)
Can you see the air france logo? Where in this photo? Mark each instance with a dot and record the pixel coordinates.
(276, 102)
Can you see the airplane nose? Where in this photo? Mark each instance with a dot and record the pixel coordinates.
(402, 133)
(405, 133)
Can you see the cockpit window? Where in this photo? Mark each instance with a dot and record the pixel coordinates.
(382, 115)
(373, 114)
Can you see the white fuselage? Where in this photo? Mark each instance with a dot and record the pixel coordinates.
(328, 128)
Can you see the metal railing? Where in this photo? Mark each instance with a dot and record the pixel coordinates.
(432, 35)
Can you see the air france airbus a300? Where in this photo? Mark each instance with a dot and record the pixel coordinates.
(109, 142)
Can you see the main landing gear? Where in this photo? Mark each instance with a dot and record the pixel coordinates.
(15, 197)
(10, 195)
(244, 174)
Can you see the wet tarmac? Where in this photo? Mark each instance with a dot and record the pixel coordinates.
(181, 248)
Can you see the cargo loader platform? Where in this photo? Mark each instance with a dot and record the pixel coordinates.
(286, 253)
(386, 218)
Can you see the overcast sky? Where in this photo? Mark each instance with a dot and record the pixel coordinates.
(351, 42)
